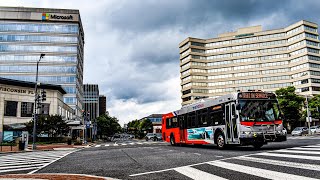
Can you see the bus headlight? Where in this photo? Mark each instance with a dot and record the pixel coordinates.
(247, 132)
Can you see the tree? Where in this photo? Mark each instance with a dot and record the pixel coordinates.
(290, 104)
(314, 106)
(146, 125)
(107, 125)
(53, 125)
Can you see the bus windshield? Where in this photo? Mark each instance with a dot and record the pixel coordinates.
(259, 110)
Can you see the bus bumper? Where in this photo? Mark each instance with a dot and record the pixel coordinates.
(262, 139)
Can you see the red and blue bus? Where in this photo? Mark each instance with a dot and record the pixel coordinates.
(242, 118)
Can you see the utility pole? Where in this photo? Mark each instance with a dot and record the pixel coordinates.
(36, 100)
(308, 116)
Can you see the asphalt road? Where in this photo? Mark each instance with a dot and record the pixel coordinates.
(162, 161)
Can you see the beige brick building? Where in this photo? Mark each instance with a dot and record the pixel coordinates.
(250, 58)
(17, 104)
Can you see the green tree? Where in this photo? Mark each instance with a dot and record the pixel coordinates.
(290, 105)
(107, 125)
(314, 107)
(146, 125)
(52, 125)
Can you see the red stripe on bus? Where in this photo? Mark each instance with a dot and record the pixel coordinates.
(260, 123)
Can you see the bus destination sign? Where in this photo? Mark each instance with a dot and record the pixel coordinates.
(255, 95)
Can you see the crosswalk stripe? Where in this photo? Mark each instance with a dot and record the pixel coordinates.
(281, 163)
(297, 152)
(132, 143)
(139, 143)
(290, 156)
(257, 171)
(116, 145)
(306, 148)
(20, 169)
(196, 174)
(107, 145)
(98, 145)
(123, 144)
(313, 146)
(32, 161)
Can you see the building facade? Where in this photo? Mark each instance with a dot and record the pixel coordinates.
(25, 33)
(17, 104)
(156, 120)
(102, 105)
(249, 59)
(91, 101)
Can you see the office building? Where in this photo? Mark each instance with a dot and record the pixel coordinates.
(251, 59)
(25, 33)
(17, 105)
(102, 105)
(91, 101)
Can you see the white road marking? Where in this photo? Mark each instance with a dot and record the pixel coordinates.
(98, 145)
(107, 145)
(297, 152)
(281, 163)
(257, 171)
(123, 144)
(132, 143)
(290, 156)
(196, 174)
(197, 154)
(306, 148)
(116, 145)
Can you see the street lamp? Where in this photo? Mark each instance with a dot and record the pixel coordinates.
(36, 98)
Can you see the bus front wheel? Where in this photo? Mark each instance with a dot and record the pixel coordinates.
(220, 141)
(172, 142)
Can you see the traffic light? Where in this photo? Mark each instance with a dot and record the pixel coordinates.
(43, 95)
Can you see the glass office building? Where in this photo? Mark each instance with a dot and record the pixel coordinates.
(25, 33)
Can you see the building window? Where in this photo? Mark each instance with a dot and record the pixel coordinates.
(10, 108)
(304, 89)
(26, 109)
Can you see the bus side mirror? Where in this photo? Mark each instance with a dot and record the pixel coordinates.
(238, 107)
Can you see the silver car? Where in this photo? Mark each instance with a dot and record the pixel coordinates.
(315, 129)
(299, 131)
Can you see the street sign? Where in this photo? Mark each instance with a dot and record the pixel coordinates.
(309, 120)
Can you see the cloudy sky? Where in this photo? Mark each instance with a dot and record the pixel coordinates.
(131, 46)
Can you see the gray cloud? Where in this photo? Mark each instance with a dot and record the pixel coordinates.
(131, 47)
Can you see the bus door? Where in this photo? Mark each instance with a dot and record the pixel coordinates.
(182, 125)
(231, 123)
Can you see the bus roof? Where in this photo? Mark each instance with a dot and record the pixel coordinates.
(204, 103)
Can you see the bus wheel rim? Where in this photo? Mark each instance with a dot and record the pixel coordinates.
(220, 141)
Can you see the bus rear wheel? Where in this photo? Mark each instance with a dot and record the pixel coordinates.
(172, 142)
(220, 141)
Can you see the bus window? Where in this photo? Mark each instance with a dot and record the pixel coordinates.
(216, 116)
(193, 118)
(202, 117)
(174, 122)
(168, 123)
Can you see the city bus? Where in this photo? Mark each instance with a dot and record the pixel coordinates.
(242, 118)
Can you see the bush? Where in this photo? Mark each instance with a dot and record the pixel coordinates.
(8, 144)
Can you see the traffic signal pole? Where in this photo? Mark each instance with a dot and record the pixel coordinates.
(36, 99)
(308, 116)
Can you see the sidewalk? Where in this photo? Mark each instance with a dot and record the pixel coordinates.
(44, 147)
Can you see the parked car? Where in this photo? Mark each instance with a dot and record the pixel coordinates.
(153, 136)
(315, 129)
(299, 131)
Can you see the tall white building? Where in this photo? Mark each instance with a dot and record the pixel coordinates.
(250, 58)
